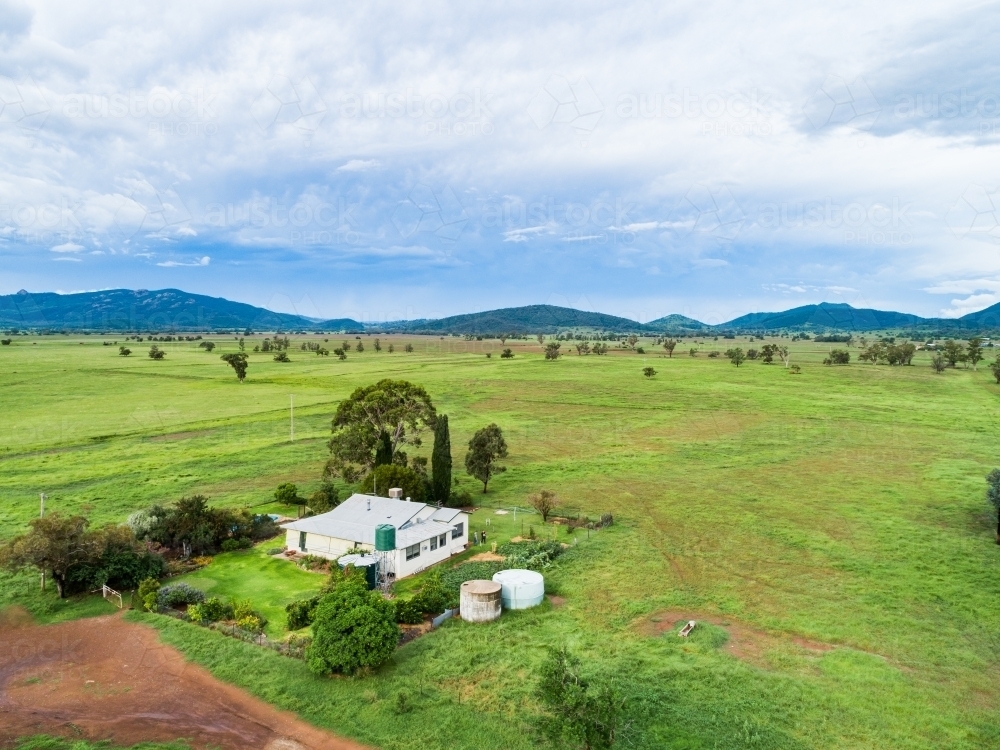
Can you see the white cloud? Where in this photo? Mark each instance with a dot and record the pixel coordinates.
(67, 247)
(75, 260)
(359, 165)
(179, 264)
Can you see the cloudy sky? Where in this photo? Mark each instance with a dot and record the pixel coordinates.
(384, 162)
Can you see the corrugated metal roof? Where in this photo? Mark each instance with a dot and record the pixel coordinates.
(445, 514)
(355, 519)
(420, 532)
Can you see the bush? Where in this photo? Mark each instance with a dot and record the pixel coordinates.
(178, 594)
(353, 628)
(211, 610)
(231, 545)
(148, 591)
(530, 555)
(408, 611)
(433, 597)
(300, 613)
(250, 623)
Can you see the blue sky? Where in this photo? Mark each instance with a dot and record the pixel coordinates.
(384, 162)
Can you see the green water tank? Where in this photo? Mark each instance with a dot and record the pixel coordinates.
(385, 537)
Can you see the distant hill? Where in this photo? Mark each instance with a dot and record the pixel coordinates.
(679, 323)
(161, 310)
(529, 319)
(828, 315)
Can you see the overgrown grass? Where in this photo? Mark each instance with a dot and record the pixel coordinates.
(842, 505)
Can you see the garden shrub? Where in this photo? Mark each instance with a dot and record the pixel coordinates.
(408, 612)
(231, 545)
(177, 594)
(433, 597)
(534, 555)
(250, 623)
(148, 592)
(300, 613)
(353, 628)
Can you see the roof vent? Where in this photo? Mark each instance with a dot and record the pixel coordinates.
(396, 493)
(369, 503)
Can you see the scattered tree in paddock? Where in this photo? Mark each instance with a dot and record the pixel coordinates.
(156, 352)
(838, 357)
(360, 347)
(408, 348)
(238, 361)
(552, 350)
(209, 345)
(507, 354)
(583, 348)
(377, 345)
(993, 495)
(124, 351)
(737, 356)
(391, 349)
(974, 351)
(486, 446)
(939, 364)
(281, 356)
(648, 372)
(668, 347)
(288, 494)
(953, 352)
(692, 352)
(995, 368)
(544, 502)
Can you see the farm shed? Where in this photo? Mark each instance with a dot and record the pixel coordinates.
(425, 534)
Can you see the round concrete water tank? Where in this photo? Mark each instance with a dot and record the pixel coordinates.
(366, 563)
(520, 589)
(479, 601)
(385, 537)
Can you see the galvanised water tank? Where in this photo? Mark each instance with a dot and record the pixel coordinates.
(479, 601)
(385, 537)
(520, 589)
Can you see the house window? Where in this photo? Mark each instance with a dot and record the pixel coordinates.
(458, 531)
(413, 551)
(434, 542)
(443, 540)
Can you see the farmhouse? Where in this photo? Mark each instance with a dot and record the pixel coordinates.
(424, 533)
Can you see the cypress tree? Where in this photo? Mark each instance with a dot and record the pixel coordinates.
(441, 461)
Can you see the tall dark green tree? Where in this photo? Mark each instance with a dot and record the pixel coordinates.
(383, 451)
(441, 461)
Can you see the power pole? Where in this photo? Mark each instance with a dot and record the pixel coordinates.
(291, 416)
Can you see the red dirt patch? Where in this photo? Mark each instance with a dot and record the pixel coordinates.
(107, 679)
(557, 601)
(745, 643)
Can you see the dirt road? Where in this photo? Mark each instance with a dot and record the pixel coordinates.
(104, 678)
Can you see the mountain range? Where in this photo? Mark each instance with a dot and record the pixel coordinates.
(173, 309)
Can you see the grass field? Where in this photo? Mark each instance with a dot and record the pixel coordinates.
(832, 523)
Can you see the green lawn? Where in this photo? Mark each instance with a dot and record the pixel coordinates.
(270, 582)
(842, 506)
